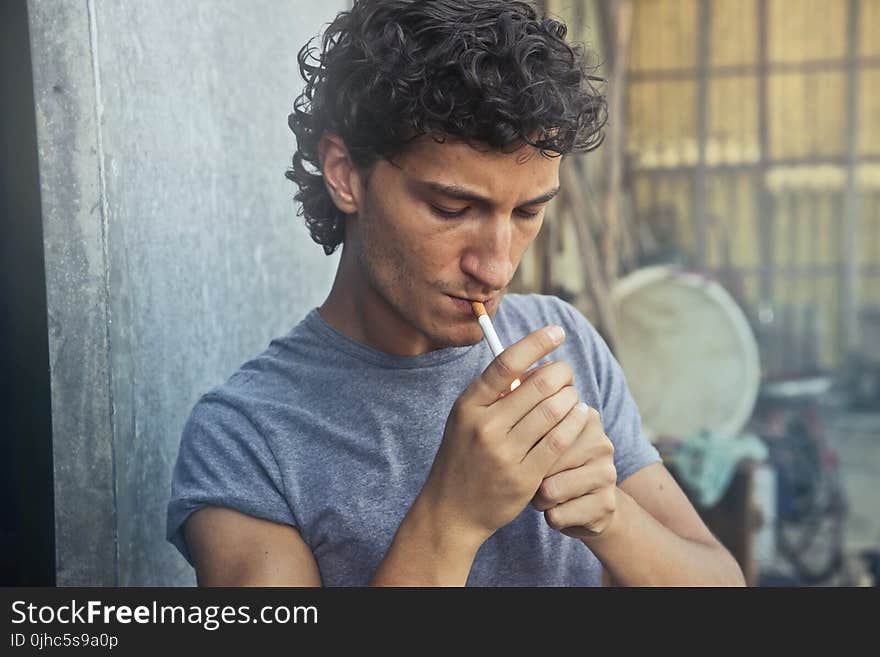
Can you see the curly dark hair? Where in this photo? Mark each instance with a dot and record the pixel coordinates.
(487, 72)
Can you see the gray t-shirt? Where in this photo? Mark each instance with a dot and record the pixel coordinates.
(336, 439)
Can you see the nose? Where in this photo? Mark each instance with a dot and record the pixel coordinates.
(487, 259)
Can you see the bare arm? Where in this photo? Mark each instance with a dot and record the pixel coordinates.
(233, 549)
(426, 551)
(657, 538)
(230, 548)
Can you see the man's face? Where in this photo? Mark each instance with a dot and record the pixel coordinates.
(444, 225)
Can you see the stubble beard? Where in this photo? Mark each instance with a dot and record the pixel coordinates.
(380, 263)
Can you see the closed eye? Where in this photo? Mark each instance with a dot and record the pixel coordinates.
(451, 214)
(448, 213)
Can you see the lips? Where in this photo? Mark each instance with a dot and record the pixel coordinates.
(470, 300)
(464, 304)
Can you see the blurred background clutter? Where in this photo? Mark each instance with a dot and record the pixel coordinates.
(725, 240)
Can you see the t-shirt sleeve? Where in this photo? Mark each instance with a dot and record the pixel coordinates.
(620, 415)
(223, 461)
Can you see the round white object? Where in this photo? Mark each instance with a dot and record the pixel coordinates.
(688, 353)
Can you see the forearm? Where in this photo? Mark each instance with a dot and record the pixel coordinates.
(426, 551)
(637, 550)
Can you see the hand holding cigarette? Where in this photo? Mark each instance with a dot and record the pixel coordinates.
(497, 448)
(578, 493)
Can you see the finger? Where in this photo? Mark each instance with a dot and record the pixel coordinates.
(590, 445)
(559, 418)
(544, 382)
(554, 442)
(570, 484)
(535, 370)
(525, 377)
(513, 362)
(589, 512)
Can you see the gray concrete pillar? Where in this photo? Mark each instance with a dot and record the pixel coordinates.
(172, 249)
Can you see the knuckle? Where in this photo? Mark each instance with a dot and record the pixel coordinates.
(610, 502)
(500, 462)
(611, 473)
(553, 517)
(552, 410)
(561, 372)
(562, 402)
(551, 377)
(547, 491)
(484, 433)
(557, 441)
(543, 384)
(497, 460)
(503, 365)
(571, 397)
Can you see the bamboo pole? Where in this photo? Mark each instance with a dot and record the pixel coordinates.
(575, 206)
(619, 41)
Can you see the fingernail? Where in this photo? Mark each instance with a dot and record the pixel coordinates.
(583, 408)
(556, 333)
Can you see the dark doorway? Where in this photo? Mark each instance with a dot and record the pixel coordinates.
(27, 534)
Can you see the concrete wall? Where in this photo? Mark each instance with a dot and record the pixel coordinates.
(172, 248)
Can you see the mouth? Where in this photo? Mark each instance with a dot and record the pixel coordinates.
(464, 303)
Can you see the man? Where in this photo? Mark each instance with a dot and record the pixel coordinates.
(379, 442)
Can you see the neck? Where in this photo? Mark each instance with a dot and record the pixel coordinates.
(355, 309)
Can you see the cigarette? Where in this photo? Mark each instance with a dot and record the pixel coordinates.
(490, 334)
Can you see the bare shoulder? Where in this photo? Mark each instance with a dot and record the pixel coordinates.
(231, 548)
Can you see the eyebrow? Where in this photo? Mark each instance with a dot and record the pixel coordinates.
(456, 191)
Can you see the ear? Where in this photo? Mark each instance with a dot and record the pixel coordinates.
(340, 175)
